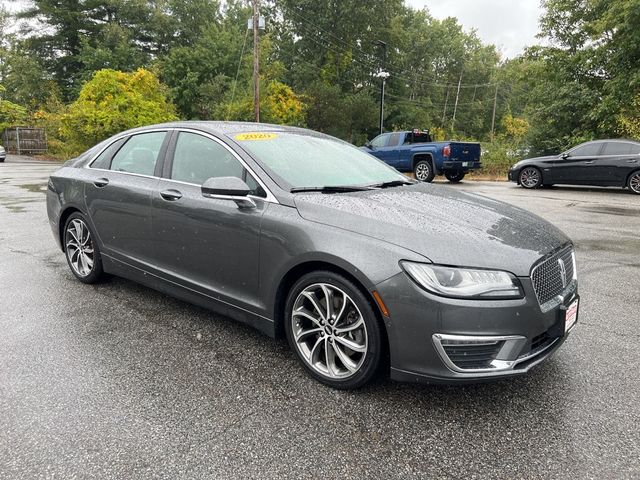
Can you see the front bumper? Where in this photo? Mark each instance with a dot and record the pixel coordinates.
(513, 175)
(421, 325)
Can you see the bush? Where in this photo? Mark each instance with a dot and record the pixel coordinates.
(497, 158)
(113, 101)
(11, 114)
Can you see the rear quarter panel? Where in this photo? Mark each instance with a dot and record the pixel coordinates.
(65, 190)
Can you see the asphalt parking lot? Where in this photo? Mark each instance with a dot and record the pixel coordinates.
(119, 381)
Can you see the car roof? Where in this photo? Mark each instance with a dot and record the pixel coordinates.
(225, 128)
(617, 140)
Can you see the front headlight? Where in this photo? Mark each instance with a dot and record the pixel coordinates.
(464, 282)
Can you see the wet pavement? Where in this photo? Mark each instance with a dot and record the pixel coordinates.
(119, 381)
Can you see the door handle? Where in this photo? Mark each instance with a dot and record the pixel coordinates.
(632, 161)
(589, 162)
(101, 182)
(171, 195)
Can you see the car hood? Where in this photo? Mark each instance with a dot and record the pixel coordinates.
(447, 226)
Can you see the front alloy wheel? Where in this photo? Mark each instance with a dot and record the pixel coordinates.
(333, 331)
(81, 251)
(634, 182)
(530, 177)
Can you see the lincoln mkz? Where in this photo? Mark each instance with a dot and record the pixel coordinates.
(302, 235)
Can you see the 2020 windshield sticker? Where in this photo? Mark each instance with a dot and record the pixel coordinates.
(256, 136)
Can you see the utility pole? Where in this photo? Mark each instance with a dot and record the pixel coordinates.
(444, 112)
(383, 76)
(256, 62)
(493, 118)
(455, 108)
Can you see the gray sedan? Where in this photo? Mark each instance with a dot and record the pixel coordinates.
(300, 234)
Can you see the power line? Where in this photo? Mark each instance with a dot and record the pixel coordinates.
(306, 26)
(235, 82)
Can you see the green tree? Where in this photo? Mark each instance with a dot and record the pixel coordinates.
(113, 101)
(279, 104)
(11, 114)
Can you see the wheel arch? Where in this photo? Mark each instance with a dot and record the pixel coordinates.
(64, 215)
(418, 156)
(631, 173)
(297, 271)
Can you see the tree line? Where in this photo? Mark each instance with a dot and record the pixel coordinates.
(87, 69)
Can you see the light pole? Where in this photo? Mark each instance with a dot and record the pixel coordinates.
(382, 75)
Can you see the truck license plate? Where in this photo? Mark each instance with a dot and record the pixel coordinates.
(466, 164)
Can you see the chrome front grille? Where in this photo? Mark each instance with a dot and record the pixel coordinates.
(554, 278)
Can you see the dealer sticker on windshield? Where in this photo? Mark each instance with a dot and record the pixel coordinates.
(571, 316)
(256, 136)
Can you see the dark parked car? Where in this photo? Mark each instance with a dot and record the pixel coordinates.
(301, 234)
(610, 163)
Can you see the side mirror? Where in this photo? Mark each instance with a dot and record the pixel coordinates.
(368, 145)
(228, 188)
(565, 156)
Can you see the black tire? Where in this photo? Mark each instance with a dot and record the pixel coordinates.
(87, 247)
(633, 183)
(455, 176)
(1, 160)
(423, 171)
(530, 177)
(365, 365)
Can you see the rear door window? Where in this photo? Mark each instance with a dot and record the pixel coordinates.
(104, 159)
(620, 148)
(394, 140)
(140, 154)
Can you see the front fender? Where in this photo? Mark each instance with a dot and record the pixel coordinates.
(287, 241)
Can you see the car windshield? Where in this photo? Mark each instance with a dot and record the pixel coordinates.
(306, 160)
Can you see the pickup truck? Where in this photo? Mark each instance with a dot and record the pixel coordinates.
(414, 151)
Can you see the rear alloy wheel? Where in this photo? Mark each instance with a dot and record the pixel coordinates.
(455, 176)
(333, 330)
(634, 182)
(83, 255)
(530, 177)
(424, 171)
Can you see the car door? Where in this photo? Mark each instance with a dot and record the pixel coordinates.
(617, 161)
(572, 167)
(392, 150)
(378, 147)
(206, 244)
(118, 195)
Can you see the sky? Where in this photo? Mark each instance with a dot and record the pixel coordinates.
(510, 25)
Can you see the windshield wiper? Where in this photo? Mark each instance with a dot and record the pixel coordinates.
(332, 189)
(393, 183)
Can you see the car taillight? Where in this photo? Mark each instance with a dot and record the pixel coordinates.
(446, 150)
